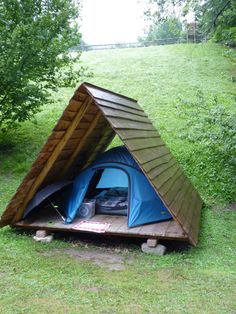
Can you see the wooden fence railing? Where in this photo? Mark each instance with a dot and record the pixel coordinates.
(166, 41)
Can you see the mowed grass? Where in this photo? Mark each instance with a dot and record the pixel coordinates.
(41, 278)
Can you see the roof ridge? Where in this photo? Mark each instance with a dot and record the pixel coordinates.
(108, 91)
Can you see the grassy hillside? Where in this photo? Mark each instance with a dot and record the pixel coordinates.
(36, 278)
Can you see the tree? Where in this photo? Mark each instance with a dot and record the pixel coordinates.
(216, 18)
(219, 19)
(34, 54)
(170, 28)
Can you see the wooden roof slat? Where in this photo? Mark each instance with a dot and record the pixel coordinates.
(176, 203)
(169, 183)
(127, 109)
(50, 145)
(77, 133)
(42, 158)
(35, 170)
(72, 143)
(130, 123)
(74, 105)
(165, 176)
(141, 143)
(155, 172)
(80, 95)
(185, 208)
(62, 125)
(112, 97)
(192, 218)
(88, 117)
(68, 115)
(64, 155)
(56, 135)
(127, 134)
(175, 188)
(113, 113)
(146, 155)
(85, 125)
(163, 158)
(189, 216)
(195, 223)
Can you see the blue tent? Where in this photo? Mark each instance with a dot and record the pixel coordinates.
(119, 169)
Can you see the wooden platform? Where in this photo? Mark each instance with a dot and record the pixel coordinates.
(163, 230)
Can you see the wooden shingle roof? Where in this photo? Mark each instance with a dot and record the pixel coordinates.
(87, 126)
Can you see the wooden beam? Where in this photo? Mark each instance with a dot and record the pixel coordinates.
(53, 158)
(81, 143)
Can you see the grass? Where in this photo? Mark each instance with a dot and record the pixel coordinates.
(190, 280)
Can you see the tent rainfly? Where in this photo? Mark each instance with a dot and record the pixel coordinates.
(86, 128)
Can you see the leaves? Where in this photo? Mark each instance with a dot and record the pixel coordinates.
(36, 36)
(171, 28)
(215, 18)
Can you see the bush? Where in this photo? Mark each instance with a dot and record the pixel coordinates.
(212, 128)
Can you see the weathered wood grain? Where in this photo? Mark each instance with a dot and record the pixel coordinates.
(104, 103)
(118, 227)
(142, 143)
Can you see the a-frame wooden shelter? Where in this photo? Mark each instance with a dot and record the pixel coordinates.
(87, 126)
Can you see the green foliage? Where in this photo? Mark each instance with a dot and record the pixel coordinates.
(168, 29)
(216, 18)
(34, 54)
(212, 128)
(209, 123)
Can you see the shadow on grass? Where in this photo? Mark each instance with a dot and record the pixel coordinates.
(113, 243)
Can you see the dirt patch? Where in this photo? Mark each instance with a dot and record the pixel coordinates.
(232, 206)
(229, 207)
(108, 260)
(104, 258)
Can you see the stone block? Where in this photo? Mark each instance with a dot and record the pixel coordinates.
(158, 250)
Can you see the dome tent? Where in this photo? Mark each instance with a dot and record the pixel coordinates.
(145, 205)
(86, 128)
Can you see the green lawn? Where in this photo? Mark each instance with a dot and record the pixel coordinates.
(43, 278)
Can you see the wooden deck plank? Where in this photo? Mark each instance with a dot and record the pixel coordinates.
(52, 221)
(158, 229)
